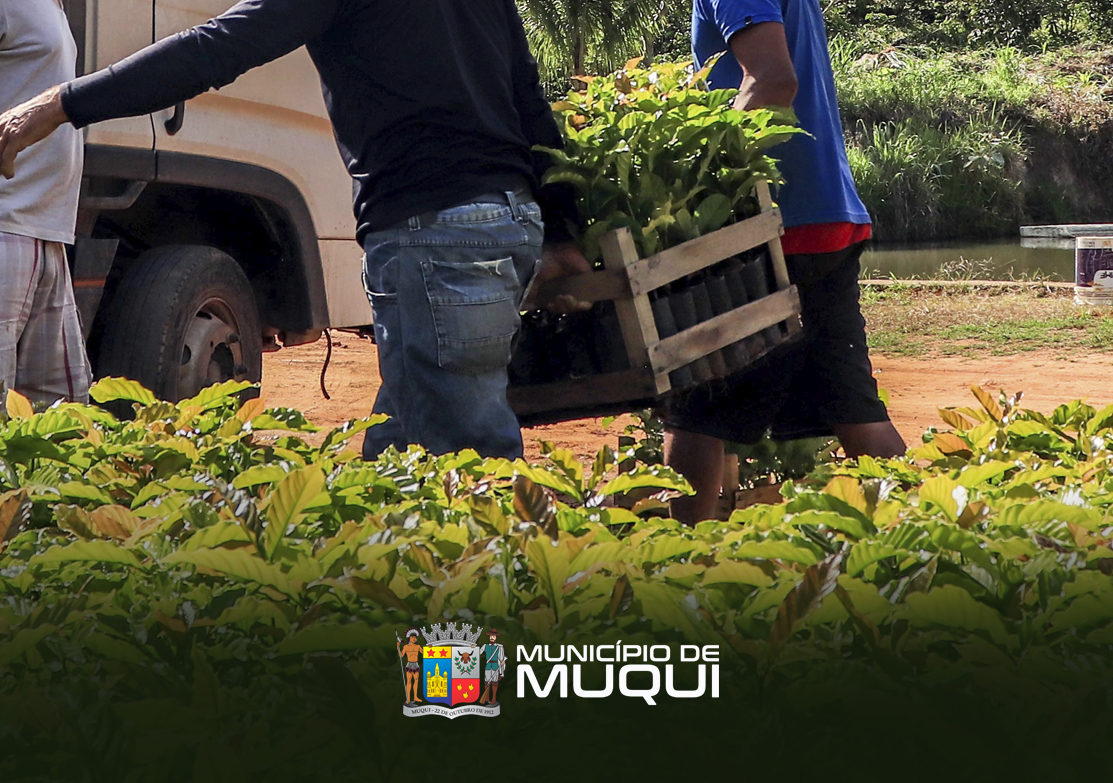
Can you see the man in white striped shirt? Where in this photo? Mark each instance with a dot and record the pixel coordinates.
(42, 352)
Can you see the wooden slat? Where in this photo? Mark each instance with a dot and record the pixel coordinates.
(776, 253)
(780, 269)
(682, 260)
(764, 197)
(600, 286)
(723, 330)
(574, 393)
(635, 316)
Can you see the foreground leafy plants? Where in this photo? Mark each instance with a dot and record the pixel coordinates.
(200, 588)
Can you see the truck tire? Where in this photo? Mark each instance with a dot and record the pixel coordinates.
(184, 317)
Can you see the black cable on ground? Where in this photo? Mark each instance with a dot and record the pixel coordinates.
(324, 369)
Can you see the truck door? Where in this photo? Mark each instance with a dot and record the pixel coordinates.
(107, 31)
(275, 118)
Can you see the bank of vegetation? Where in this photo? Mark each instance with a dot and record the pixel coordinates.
(963, 120)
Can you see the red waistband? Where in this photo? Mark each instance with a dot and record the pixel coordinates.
(823, 237)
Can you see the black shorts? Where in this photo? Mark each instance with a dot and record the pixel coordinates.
(802, 389)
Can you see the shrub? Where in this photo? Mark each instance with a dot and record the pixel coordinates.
(187, 592)
(656, 152)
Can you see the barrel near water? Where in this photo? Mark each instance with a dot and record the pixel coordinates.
(1093, 270)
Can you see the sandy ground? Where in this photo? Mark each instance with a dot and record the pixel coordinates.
(917, 387)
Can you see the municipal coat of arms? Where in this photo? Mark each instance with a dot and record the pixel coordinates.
(451, 673)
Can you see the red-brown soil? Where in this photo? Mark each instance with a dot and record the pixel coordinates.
(916, 387)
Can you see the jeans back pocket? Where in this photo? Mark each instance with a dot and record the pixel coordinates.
(475, 311)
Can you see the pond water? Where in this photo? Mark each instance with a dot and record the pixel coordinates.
(1035, 259)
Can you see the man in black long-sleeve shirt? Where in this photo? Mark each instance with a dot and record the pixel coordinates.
(436, 106)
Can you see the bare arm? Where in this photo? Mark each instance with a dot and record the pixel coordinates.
(26, 124)
(770, 79)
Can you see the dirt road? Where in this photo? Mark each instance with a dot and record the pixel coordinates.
(917, 387)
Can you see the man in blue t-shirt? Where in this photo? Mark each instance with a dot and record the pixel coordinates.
(775, 52)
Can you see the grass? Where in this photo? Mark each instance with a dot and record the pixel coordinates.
(971, 144)
(924, 322)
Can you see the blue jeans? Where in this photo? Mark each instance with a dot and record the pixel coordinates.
(445, 291)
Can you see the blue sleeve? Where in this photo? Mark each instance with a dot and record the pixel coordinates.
(734, 15)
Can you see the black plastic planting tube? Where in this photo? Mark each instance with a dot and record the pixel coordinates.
(582, 361)
(735, 354)
(608, 335)
(684, 313)
(705, 312)
(755, 277)
(666, 327)
(736, 286)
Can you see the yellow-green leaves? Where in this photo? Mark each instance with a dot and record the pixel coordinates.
(260, 474)
(90, 552)
(771, 549)
(19, 407)
(945, 494)
(112, 389)
(213, 396)
(344, 433)
(237, 564)
(185, 538)
(287, 503)
(654, 478)
(953, 608)
(865, 554)
(320, 637)
(550, 563)
(656, 152)
(23, 641)
(735, 572)
(974, 476)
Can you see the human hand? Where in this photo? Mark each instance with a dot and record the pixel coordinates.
(560, 259)
(27, 124)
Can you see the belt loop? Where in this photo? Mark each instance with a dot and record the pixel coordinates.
(516, 208)
(415, 223)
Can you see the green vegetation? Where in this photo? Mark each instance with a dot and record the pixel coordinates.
(972, 144)
(184, 593)
(963, 120)
(575, 37)
(973, 321)
(958, 24)
(656, 152)
(167, 582)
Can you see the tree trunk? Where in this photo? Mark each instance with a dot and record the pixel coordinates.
(578, 43)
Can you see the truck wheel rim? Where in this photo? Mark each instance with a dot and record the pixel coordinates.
(212, 351)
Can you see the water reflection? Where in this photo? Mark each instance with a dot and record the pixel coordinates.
(1035, 258)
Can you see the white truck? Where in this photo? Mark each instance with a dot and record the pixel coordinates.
(207, 230)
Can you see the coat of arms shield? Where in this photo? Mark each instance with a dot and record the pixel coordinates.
(451, 673)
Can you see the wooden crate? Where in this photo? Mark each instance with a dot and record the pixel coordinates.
(627, 280)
